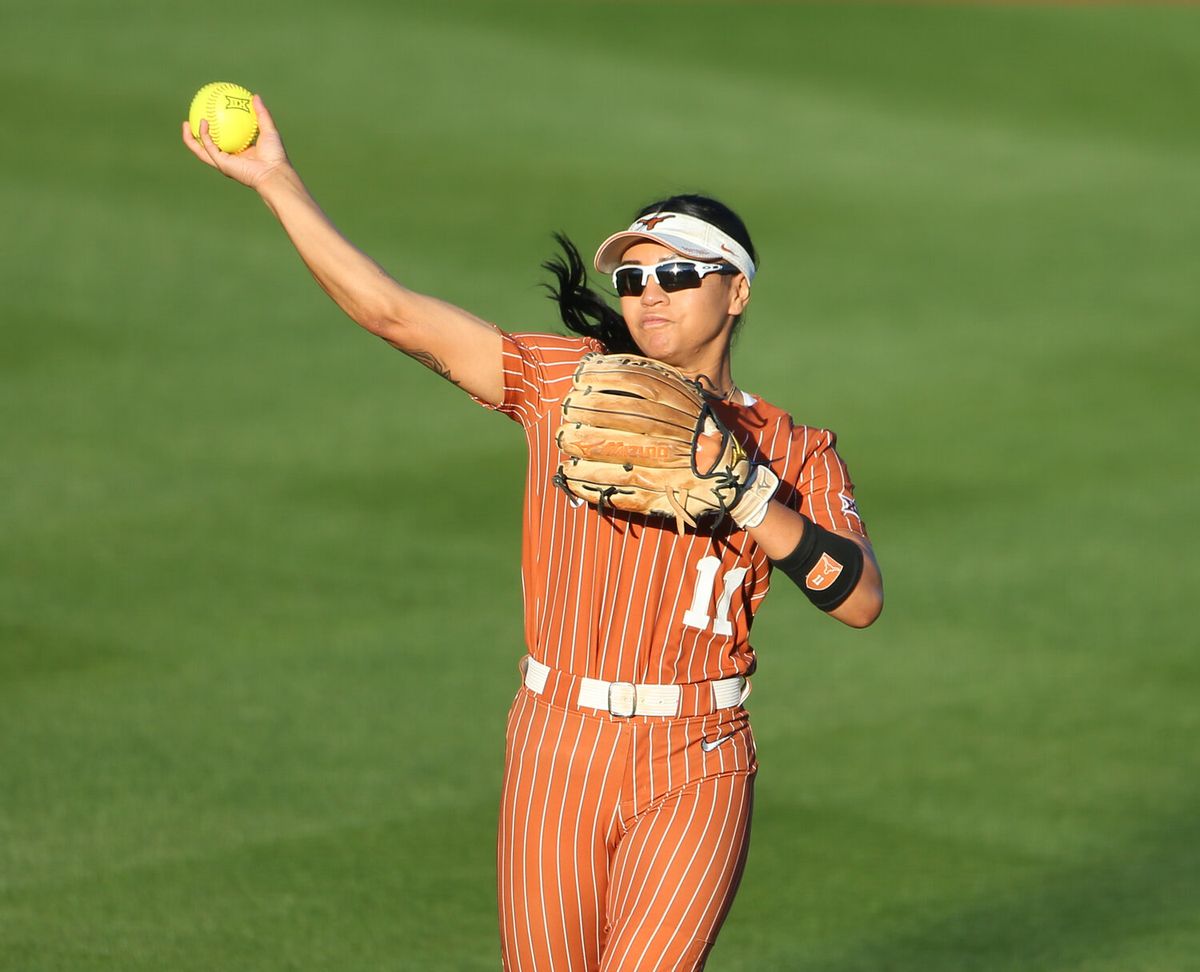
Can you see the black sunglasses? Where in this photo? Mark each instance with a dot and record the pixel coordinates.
(630, 279)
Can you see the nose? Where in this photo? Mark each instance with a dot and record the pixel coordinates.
(653, 293)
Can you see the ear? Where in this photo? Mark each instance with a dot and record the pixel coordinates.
(739, 295)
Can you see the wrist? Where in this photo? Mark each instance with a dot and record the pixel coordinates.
(278, 183)
(751, 506)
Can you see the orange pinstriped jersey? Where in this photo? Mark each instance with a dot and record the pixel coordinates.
(621, 596)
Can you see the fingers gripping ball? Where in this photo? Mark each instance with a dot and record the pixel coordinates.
(232, 121)
(641, 437)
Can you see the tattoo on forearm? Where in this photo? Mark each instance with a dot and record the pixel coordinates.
(432, 363)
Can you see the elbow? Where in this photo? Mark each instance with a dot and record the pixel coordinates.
(863, 619)
(865, 603)
(385, 322)
(862, 609)
(388, 313)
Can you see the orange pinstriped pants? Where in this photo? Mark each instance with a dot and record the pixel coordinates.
(621, 840)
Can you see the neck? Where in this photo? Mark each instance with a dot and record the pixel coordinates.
(717, 378)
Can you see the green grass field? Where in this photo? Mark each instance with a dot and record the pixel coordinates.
(258, 627)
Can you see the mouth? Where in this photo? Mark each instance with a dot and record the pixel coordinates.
(654, 321)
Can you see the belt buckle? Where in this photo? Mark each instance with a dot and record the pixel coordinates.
(622, 692)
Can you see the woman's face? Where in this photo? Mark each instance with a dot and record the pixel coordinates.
(685, 328)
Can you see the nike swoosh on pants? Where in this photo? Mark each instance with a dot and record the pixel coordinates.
(708, 746)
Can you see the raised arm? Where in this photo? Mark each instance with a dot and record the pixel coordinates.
(459, 346)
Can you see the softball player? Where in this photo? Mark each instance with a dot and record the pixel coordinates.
(626, 804)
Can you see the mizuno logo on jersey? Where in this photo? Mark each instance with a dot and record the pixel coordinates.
(848, 504)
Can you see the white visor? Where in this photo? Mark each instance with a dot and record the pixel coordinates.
(686, 235)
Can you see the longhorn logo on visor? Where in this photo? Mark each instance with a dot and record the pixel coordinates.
(651, 221)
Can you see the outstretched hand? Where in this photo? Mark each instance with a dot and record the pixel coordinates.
(250, 167)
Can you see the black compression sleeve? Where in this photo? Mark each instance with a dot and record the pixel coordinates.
(824, 565)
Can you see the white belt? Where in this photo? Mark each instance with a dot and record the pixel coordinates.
(628, 698)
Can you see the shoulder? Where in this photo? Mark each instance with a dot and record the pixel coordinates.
(551, 357)
(551, 349)
(538, 369)
(804, 457)
(816, 480)
(774, 430)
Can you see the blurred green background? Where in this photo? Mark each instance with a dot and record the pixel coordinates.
(260, 612)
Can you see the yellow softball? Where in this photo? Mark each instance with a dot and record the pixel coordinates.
(232, 121)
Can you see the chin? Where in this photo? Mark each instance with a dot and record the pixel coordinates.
(659, 350)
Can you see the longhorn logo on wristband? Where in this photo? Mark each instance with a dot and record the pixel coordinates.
(824, 574)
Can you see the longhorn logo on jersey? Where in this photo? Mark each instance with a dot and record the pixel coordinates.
(825, 573)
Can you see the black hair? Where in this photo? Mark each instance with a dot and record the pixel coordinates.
(586, 312)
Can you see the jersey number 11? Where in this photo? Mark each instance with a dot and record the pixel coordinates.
(697, 615)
